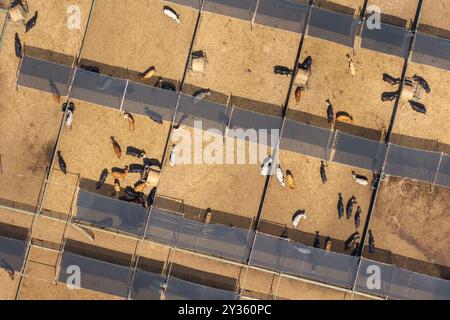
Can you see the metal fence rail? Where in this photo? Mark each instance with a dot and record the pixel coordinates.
(111, 213)
(432, 51)
(178, 289)
(12, 254)
(223, 241)
(296, 259)
(391, 282)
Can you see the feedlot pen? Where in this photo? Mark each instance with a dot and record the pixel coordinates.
(91, 136)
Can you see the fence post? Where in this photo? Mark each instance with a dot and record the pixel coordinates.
(386, 157)
(333, 146)
(123, 97)
(254, 15)
(409, 284)
(255, 235)
(390, 283)
(169, 271)
(229, 121)
(438, 168)
(275, 295)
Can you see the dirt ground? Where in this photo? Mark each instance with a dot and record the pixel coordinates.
(35, 289)
(45, 229)
(116, 37)
(155, 251)
(33, 134)
(432, 125)
(318, 200)
(126, 35)
(293, 289)
(87, 150)
(15, 219)
(241, 60)
(331, 79)
(235, 189)
(9, 286)
(106, 240)
(42, 263)
(410, 220)
(434, 13)
(210, 272)
(403, 9)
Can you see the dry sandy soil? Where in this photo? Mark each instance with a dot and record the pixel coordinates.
(127, 35)
(235, 189)
(354, 4)
(435, 13)
(297, 290)
(14, 218)
(118, 37)
(342, 5)
(41, 263)
(107, 240)
(9, 286)
(318, 200)
(241, 60)
(30, 119)
(27, 138)
(35, 289)
(87, 150)
(155, 251)
(411, 220)
(403, 9)
(434, 124)
(331, 79)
